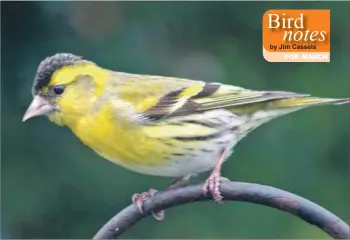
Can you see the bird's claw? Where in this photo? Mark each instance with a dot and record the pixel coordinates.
(212, 185)
(139, 198)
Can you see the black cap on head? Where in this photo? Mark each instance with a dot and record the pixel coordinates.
(49, 65)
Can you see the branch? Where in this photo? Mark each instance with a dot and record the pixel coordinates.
(236, 191)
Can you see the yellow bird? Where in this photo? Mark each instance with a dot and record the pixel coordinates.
(156, 125)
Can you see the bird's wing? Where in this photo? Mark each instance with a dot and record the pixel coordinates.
(201, 96)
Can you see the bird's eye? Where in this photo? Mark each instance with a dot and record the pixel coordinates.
(59, 89)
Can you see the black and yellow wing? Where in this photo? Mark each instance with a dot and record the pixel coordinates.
(202, 96)
(157, 97)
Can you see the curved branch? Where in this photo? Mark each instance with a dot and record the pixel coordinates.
(236, 191)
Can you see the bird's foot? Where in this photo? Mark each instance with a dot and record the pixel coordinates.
(212, 185)
(139, 198)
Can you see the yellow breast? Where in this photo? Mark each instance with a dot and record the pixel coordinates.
(120, 141)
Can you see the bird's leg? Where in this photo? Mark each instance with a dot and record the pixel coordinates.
(139, 198)
(212, 184)
(180, 182)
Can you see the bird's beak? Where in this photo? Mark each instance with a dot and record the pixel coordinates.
(39, 106)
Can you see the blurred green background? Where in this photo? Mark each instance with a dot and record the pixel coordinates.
(55, 187)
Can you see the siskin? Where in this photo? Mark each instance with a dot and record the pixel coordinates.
(156, 125)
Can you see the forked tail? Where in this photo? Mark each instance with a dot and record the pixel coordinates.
(308, 101)
(279, 107)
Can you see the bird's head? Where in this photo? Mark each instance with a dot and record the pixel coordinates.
(64, 87)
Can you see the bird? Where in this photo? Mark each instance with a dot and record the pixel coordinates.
(156, 125)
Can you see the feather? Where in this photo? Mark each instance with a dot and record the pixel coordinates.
(156, 97)
(192, 99)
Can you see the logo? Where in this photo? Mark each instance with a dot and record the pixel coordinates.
(296, 35)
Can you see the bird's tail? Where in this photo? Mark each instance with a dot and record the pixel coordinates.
(265, 111)
(279, 107)
(308, 101)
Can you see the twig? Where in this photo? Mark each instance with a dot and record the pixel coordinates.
(236, 191)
